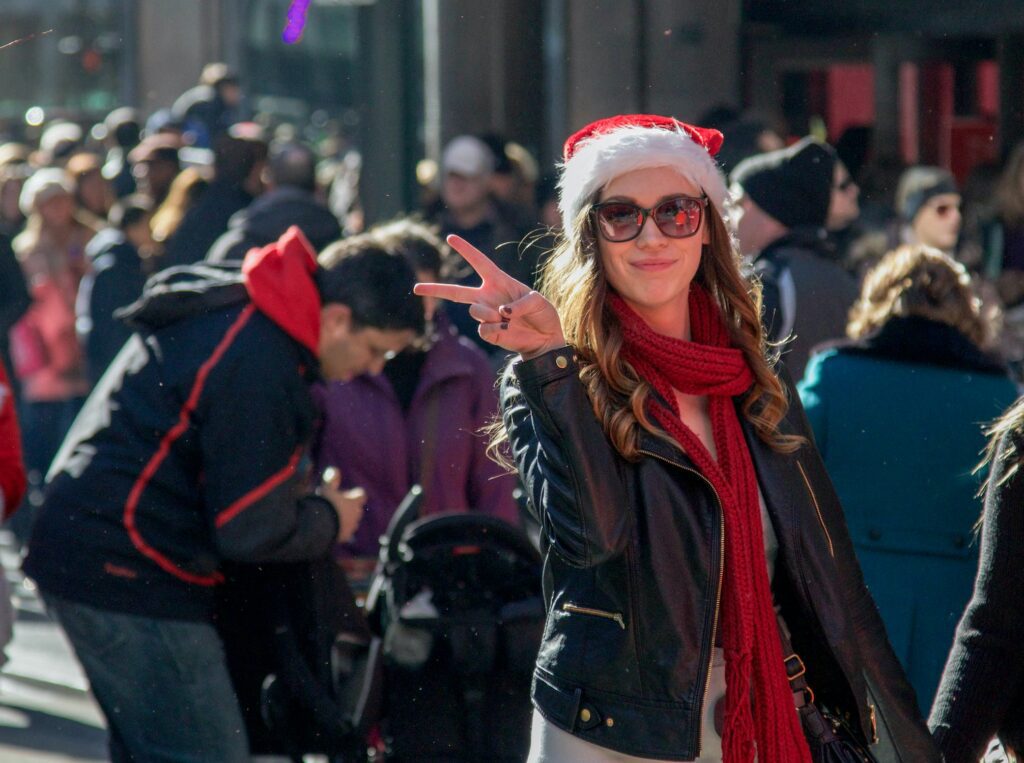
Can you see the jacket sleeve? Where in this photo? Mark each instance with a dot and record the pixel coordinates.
(571, 472)
(252, 449)
(12, 469)
(986, 665)
(905, 737)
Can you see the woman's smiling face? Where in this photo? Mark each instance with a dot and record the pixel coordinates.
(653, 272)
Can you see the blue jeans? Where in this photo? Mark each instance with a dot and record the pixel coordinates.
(162, 684)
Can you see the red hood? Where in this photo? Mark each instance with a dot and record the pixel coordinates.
(279, 279)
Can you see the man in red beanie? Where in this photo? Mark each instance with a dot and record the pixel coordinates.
(190, 454)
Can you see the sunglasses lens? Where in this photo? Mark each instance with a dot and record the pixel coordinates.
(678, 218)
(619, 222)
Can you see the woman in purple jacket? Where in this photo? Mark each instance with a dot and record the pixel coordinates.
(418, 421)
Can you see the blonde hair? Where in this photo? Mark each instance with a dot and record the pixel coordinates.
(919, 281)
(1006, 430)
(573, 280)
(184, 192)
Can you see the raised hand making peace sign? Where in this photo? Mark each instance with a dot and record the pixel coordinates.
(511, 315)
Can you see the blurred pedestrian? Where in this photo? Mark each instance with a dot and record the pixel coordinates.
(47, 357)
(93, 193)
(190, 455)
(59, 141)
(210, 108)
(239, 157)
(928, 203)
(1000, 234)
(982, 687)
(467, 209)
(785, 198)
(675, 480)
(417, 422)
(897, 412)
(121, 259)
(123, 134)
(289, 199)
(155, 164)
(514, 179)
(186, 190)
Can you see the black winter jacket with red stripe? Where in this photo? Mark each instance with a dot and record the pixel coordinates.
(190, 452)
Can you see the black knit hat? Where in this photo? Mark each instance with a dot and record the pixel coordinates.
(793, 185)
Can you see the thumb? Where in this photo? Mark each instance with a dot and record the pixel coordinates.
(355, 494)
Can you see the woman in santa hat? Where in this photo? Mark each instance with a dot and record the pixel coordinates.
(703, 595)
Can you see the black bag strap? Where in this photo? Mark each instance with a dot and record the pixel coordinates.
(814, 723)
(828, 737)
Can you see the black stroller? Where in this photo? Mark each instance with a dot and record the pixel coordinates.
(457, 601)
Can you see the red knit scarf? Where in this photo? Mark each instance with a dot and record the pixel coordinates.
(758, 701)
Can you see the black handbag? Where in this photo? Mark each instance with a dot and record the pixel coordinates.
(830, 739)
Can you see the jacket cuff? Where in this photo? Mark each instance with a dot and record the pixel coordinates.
(320, 511)
(542, 369)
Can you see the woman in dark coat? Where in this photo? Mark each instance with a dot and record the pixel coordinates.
(982, 690)
(673, 475)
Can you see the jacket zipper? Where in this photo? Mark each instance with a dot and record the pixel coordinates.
(718, 590)
(817, 509)
(576, 609)
(816, 619)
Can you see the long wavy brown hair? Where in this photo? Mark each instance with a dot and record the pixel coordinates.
(573, 280)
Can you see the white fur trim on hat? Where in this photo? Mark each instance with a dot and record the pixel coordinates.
(606, 156)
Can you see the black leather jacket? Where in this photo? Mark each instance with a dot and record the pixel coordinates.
(633, 579)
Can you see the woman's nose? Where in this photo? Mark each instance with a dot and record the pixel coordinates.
(650, 234)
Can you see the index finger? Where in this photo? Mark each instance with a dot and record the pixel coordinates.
(480, 262)
(452, 292)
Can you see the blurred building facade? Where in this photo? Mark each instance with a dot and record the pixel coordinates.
(935, 81)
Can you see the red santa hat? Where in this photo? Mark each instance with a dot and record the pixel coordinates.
(610, 147)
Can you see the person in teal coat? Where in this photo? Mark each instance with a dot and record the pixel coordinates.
(897, 412)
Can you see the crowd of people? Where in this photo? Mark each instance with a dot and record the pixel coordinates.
(207, 361)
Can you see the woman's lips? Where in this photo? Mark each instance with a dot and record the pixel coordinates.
(652, 266)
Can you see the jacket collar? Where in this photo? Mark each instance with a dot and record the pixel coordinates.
(914, 339)
(803, 237)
